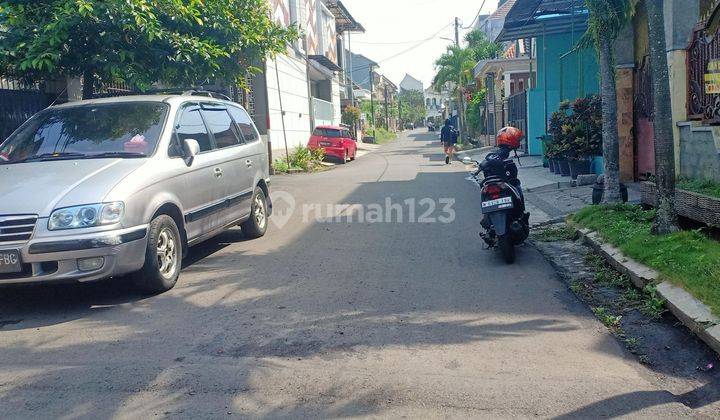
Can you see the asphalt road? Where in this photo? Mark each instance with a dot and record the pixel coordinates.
(325, 318)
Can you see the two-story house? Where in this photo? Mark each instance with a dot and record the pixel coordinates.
(302, 89)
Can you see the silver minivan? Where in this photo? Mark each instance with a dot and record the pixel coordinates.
(109, 187)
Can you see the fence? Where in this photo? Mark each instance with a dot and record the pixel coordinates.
(18, 102)
(323, 111)
(703, 68)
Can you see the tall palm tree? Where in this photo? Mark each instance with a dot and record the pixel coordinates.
(455, 67)
(605, 21)
(666, 217)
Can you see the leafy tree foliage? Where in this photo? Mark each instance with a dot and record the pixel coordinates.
(140, 42)
(412, 106)
(455, 67)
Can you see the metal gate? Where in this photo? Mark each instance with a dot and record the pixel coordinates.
(517, 113)
(19, 102)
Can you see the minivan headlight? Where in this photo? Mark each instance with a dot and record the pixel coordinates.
(86, 216)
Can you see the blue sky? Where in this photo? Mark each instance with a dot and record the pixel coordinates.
(405, 21)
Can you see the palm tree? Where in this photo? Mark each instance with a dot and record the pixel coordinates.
(666, 217)
(605, 21)
(455, 67)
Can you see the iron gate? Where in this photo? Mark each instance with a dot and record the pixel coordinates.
(19, 102)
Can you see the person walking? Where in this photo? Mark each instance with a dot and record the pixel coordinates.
(448, 137)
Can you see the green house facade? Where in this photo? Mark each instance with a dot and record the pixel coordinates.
(559, 70)
(562, 74)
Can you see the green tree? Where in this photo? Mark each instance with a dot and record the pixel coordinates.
(481, 46)
(412, 106)
(139, 42)
(605, 21)
(454, 68)
(474, 115)
(666, 216)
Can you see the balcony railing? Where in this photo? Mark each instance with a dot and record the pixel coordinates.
(323, 111)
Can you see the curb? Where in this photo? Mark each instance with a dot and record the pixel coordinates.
(694, 314)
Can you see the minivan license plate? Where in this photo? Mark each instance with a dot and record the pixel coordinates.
(10, 261)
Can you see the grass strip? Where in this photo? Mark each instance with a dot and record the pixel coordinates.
(688, 259)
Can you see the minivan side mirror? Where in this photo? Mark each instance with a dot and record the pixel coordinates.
(191, 148)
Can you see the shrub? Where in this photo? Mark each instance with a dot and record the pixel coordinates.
(300, 158)
(576, 129)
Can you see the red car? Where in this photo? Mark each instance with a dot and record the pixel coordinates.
(336, 141)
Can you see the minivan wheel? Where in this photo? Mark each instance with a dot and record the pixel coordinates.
(163, 257)
(256, 226)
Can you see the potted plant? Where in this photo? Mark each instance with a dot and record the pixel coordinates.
(560, 126)
(550, 155)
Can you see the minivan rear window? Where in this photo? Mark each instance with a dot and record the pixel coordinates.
(328, 132)
(123, 130)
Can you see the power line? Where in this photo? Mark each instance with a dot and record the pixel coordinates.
(421, 42)
(476, 16)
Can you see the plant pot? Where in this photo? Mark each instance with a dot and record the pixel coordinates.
(564, 167)
(599, 191)
(579, 167)
(551, 165)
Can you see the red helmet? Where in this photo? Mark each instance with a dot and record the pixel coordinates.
(510, 137)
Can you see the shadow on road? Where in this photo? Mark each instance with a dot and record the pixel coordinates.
(246, 309)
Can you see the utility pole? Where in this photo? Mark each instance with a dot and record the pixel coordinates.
(400, 121)
(372, 99)
(460, 102)
(457, 32)
(387, 117)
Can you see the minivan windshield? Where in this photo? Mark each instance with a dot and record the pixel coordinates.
(117, 130)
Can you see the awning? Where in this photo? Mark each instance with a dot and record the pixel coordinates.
(344, 22)
(325, 62)
(533, 18)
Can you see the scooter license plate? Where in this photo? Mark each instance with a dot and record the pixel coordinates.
(499, 204)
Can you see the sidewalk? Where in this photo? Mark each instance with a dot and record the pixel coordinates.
(549, 196)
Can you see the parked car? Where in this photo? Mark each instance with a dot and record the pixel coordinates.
(409, 126)
(336, 141)
(108, 187)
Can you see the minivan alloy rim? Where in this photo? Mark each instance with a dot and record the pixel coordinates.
(260, 218)
(166, 254)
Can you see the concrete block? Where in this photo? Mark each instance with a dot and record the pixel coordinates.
(688, 308)
(586, 179)
(711, 336)
(690, 311)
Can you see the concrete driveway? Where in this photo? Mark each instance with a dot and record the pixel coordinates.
(387, 317)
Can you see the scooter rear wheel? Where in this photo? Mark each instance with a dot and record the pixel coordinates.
(507, 248)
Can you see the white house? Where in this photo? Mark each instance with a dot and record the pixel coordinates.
(303, 88)
(410, 83)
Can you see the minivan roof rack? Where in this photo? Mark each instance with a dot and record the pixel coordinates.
(172, 91)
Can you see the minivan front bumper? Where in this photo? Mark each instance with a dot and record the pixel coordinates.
(58, 259)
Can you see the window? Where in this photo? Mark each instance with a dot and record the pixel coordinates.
(244, 123)
(434, 101)
(521, 86)
(328, 132)
(191, 126)
(512, 88)
(221, 125)
(427, 102)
